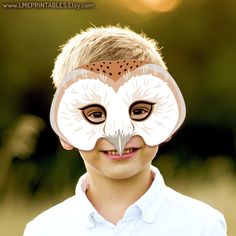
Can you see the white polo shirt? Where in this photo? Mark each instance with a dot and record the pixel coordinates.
(161, 211)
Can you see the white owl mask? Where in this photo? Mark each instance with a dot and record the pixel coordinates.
(117, 100)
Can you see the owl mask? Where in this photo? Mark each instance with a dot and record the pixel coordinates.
(117, 100)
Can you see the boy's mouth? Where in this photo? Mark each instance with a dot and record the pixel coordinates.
(125, 153)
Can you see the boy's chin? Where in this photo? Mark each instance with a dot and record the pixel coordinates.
(123, 172)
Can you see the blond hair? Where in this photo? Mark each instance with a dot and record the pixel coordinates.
(104, 43)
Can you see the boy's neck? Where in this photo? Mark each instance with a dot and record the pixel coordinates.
(111, 197)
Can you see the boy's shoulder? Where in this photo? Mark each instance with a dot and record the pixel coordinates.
(195, 214)
(176, 203)
(68, 206)
(188, 205)
(59, 218)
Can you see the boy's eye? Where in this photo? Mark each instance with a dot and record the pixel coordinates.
(95, 113)
(140, 110)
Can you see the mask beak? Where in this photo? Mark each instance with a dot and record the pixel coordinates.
(119, 140)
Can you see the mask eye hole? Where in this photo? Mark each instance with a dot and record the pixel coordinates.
(94, 113)
(140, 110)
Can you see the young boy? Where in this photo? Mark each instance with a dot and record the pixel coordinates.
(115, 102)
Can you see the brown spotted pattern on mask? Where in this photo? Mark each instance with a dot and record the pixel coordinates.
(114, 69)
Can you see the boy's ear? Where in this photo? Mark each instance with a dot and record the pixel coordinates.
(66, 145)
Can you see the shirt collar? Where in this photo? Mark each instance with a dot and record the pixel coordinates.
(149, 204)
(87, 210)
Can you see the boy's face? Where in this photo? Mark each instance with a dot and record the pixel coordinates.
(117, 101)
(104, 160)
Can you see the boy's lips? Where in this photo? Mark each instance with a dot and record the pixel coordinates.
(127, 153)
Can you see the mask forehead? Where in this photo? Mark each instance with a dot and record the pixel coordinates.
(116, 73)
(114, 69)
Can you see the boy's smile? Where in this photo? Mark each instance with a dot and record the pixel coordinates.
(130, 149)
(127, 153)
(104, 159)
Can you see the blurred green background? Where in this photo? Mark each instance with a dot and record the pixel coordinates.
(198, 41)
